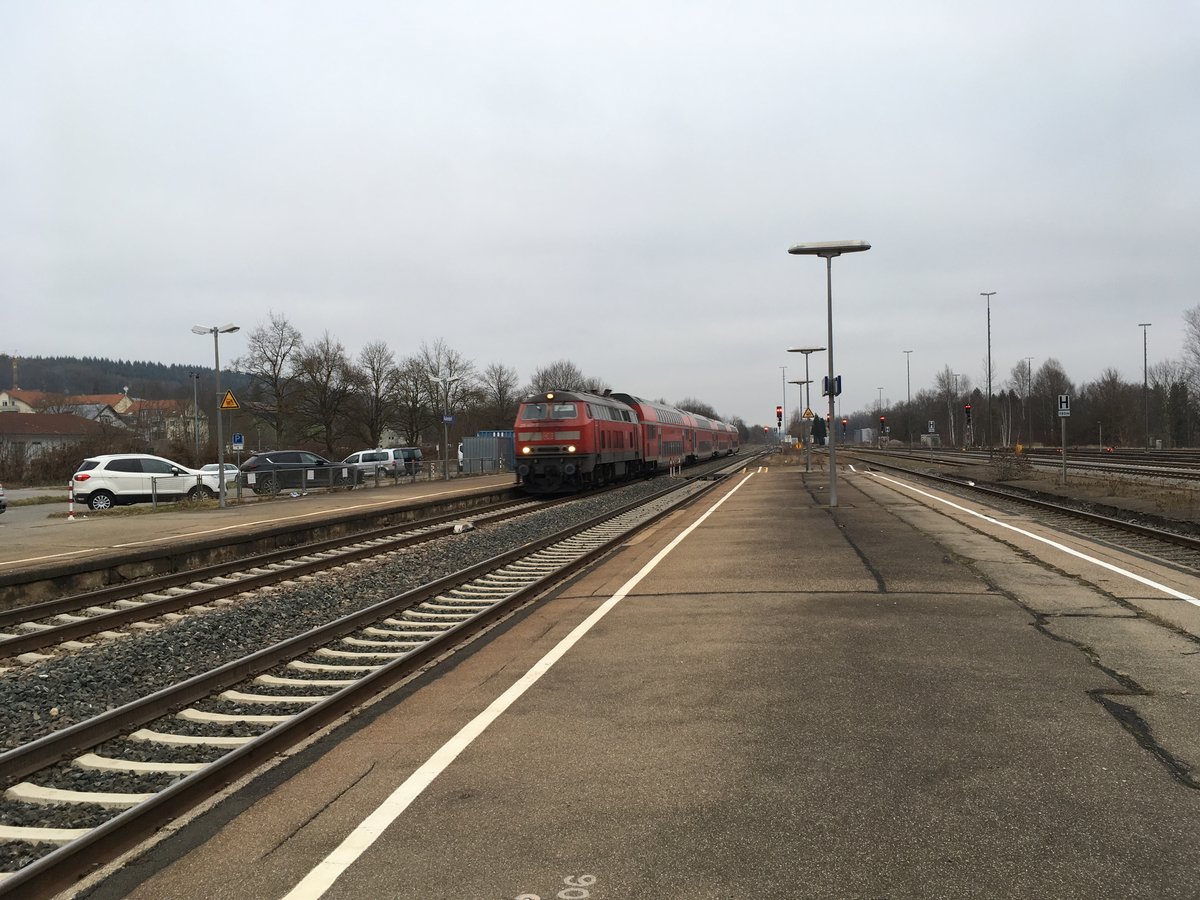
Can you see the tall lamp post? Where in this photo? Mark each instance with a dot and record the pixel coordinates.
(954, 412)
(195, 376)
(1145, 381)
(1028, 389)
(989, 295)
(807, 351)
(216, 331)
(908, 387)
(445, 383)
(827, 250)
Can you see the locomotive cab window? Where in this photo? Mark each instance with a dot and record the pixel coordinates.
(535, 411)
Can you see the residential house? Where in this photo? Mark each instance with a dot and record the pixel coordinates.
(31, 435)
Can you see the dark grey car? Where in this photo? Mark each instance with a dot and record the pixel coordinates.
(277, 470)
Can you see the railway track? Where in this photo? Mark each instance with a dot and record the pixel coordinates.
(1178, 546)
(81, 794)
(110, 613)
(1154, 465)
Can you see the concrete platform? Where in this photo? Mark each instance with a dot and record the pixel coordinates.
(42, 536)
(793, 702)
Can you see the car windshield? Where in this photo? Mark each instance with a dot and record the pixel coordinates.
(534, 411)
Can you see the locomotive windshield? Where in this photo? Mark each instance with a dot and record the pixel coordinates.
(549, 411)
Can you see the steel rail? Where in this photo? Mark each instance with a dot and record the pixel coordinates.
(62, 867)
(1170, 537)
(345, 549)
(157, 583)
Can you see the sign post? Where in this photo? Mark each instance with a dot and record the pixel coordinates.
(1064, 412)
(238, 441)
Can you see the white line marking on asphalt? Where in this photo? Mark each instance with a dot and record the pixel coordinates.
(326, 872)
(1178, 595)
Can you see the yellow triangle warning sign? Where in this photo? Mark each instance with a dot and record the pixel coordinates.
(808, 414)
(229, 401)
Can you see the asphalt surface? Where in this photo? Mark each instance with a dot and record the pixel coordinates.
(872, 701)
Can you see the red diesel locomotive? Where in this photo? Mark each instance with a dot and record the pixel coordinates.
(571, 440)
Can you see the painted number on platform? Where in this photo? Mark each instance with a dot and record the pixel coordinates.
(576, 889)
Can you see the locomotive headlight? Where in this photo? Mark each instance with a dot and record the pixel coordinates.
(571, 448)
(526, 449)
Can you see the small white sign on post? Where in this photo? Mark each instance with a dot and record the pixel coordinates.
(1064, 405)
(932, 427)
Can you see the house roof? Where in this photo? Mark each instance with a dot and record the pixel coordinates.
(47, 424)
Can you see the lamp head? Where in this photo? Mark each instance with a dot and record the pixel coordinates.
(829, 248)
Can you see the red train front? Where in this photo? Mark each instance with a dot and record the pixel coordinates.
(570, 440)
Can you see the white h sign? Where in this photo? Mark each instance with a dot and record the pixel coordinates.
(1064, 405)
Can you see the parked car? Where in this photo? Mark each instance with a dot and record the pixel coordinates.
(231, 472)
(3, 499)
(101, 482)
(407, 459)
(369, 463)
(275, 470)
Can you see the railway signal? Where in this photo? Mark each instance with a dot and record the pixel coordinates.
(845, 424)
(967, 412)
(779, 415)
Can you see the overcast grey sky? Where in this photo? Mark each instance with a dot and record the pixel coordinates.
(616, 184)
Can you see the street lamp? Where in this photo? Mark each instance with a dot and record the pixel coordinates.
(1028, 389)
(195, 376)
(807, 351)
(1145, 381)
(989, 295)
(827, 250)
(445, 382)
(954, 413)
(908, 385)
(216, 331)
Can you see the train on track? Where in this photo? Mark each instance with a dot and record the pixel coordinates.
(570, 440)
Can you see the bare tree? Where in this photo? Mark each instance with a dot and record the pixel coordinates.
(372, 407)
(563, 375)
(324, 383)
(450, 377)
(499, 384)
(270, 353)
(450, 388)
(411, 413)
(1050, 381)
(951, 389)
(697, 406)
(1191, 338)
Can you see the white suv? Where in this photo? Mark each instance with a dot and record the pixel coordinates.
(102, 482)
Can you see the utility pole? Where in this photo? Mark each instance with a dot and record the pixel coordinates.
(989, 295)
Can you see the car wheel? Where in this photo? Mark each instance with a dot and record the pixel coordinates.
(100, 500)
(201, 492)
(265, 485)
